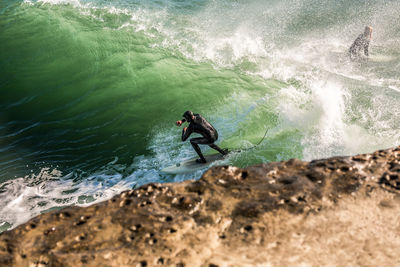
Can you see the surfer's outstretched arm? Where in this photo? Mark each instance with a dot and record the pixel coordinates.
(179, 123)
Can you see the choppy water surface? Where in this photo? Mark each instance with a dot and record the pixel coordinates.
(90, 90)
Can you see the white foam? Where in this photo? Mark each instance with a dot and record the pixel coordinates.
(25, 198)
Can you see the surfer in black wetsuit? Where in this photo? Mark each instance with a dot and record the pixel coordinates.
(361, 43)
(198, 124)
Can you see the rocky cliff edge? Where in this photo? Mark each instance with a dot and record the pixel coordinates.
(340, 211)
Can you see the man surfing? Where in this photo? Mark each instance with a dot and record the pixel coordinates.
(361, 43)
(198, 124)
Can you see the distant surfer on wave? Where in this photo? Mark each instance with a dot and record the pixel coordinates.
(198, 124)
(361, 43)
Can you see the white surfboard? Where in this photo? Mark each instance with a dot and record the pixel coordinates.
(381, 58)
(191, 165)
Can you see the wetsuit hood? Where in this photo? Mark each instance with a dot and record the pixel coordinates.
(188, 115)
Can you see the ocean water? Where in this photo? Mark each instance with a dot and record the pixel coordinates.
(90, 89)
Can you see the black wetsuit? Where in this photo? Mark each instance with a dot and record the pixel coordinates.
(209, 135)
(362, 42)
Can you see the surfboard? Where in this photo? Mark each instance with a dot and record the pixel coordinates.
(381, 58)
(190, 165)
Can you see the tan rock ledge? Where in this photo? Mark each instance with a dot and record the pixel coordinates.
(341, 211)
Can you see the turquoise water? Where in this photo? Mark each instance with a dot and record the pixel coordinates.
(90, 90)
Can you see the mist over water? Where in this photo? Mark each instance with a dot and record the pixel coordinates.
(90, 90)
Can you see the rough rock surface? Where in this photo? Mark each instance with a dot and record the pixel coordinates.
(340, 211)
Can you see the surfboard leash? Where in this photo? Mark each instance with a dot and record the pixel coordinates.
(244, 149)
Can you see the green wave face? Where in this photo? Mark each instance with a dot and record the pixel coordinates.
(79, 88)
(90, 90)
